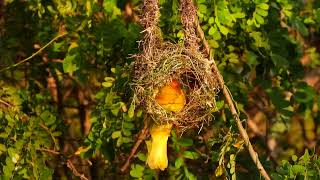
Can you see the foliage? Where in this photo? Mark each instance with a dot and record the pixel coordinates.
(306, 167)
(266, 50)
(28, 130)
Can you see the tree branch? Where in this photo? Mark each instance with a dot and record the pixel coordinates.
(187, 5)
(232, 107)
(143, 134)
(75, 171)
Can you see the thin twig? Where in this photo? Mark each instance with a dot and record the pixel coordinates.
(49, 151)
(34, 54)
(143, 134)
(75, 171)
(5, 103)
(231, 105)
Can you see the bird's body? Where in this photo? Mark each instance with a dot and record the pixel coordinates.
(171, 97)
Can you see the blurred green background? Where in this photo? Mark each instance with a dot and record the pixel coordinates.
(68, 113)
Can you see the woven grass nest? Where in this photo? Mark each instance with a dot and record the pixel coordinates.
(158, 66)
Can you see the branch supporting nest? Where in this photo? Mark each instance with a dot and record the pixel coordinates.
(143, 134)
(186, 5)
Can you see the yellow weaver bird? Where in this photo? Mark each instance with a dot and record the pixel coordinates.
(171, 97)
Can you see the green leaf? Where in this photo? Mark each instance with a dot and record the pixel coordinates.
(277, 98)
(69, 64)
(142, 156)
(298, 169)
(258, 18)
(2, 148)
(306, 156)
(252, 59)
(239, 15)
(48, 118)
(263, 6)
(299, 26)
(108, 82)
(126, 132)
(211, 20)
(128, 125)
(294, 158)
(190, 155)
(224, 30)
(126, 140)
(202, 8)
(178, 163)
(279, 61)
(188, 174)
(137, 171)
(185, 142)
(262, 12)
(317, 14)
(46, 173)
(115, 108)
(57, 46)
(116, 134)
(304, 93)
(131, 110)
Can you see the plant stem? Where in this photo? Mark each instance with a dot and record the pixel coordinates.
(34, 54)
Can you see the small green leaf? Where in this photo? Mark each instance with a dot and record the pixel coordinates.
(262, 12)
(211, 20)
(224, 30)
(131, 110)
(298, 169)
(108, 82)
(2, 148)
(142, 156)
(128, 125)
(252, 59)
(178, 163)
(263, 6)
(116, 134)
(185, 142)
(279, 61)
(259, 19)
(294, 158)
(191, 155)
(202, 8)
(126, 140)
(239, 15)
(299, 26)
(213, 43)
(69, 63)
(137, 171)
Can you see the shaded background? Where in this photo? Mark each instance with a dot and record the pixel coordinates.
(67, 113)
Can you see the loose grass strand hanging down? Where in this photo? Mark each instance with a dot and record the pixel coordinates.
(162, 62)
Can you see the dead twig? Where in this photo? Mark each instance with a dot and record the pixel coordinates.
(75, 171)
(143, 134)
